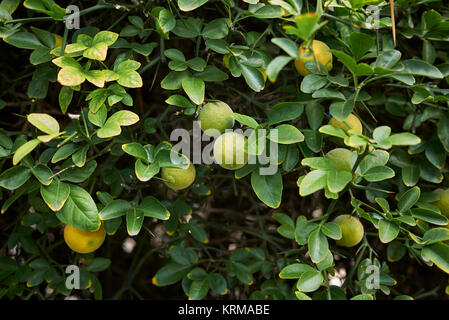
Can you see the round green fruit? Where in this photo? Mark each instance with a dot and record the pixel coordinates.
(229, 150)
(351, 230)
(178, 178)
(216, 115)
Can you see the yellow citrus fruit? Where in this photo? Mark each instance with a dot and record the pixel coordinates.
(341, 158)
(443, 202)
(216, 115)
(83, 241)
(320, 51)
(178, 178)
(351, 230)
(229, 150)
(351, 122)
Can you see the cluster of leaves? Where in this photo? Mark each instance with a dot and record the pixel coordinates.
(95, 160)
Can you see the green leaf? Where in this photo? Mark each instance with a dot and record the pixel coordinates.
(136, 150)
(312, 83)
(287, 228)
(313, 181)
(435, 235)
(285, 134)
(189, 5)
(285, 111)
(42, 173)
(115, 209)
(170, 274)
(56, 194)
(195, 89)
(253, 77)
(44, 122)
(378, 173)
(318, 245)
(347, 60)
(134, 221)
(404, 139)
(145, 172)
(112, 126)
(408, 199)
(245, 120)
(64, 98)
(127, 74)
(24, 150)
(294, 271)
(360, 44)
(276, 65)
(337, 180)
(152, 207)
(64, 152)
(430, 216)
(388, 231)
(438, 253)
(310, 281)
(98, 265)
(80, 211)
(268, 188)
(287, 45)
(341, 110)
(331, 230)
(216, 29)
(421, 68)
(14, 177)
(199, 289)
(217, 283)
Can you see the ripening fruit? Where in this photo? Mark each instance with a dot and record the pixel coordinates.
(351, 230)
(351, 122)
(216, 115)
(83, 241)
(341, 158)
(229, 150)
(178, 178)
(443, 202)
(322, 54)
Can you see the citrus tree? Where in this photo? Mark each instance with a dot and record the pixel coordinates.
(313, 163)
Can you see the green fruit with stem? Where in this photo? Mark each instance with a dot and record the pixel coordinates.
(229, 150)
(178, 178)
(217, 116)
(352, 230)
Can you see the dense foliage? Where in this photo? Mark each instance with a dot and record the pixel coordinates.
(351, 95)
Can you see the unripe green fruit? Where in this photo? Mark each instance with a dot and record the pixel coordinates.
(229, 150)
(351, 230)
(178, 178)
(443, 202)
(216, 115)
(341, 158)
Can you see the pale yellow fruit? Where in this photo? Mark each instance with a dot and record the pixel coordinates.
(82, 241)
(216, 115)
(352, 230)
(229, 150)
(341, 158)
(321, 53)
(351, 122)
(178, 178)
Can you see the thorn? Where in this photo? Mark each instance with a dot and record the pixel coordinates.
(393, 25)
